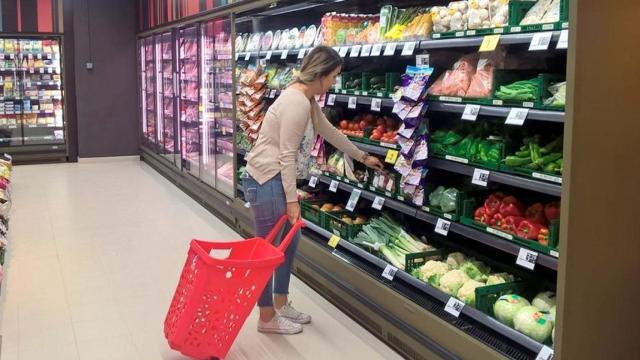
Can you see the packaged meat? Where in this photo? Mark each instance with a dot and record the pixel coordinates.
(536, 13)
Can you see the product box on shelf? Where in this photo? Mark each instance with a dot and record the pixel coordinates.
(344, 223)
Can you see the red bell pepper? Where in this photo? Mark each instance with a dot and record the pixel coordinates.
(481, 216)
(511, 223)
(510, 206)
(543, 236)
(497, 220)
(552, 211)
(535, 213)
(492, 204)
(528, 230)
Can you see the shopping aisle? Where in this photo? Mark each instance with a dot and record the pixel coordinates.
(95, 250)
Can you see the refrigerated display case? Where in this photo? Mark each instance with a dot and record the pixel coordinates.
(32, 93)
(148, 92)
(167, 124)
(217, 135)
(189, 99)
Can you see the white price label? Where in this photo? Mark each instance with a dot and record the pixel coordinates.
(284, 54)
(376, 104)
(269, 53)
(480, 177)
(563, 42)
(313, 181)
(343, 51)
(376, 50)
(546, 177)
(8, 156)
(527, 258)
(263, 62)
(390, 49)
(540, 41)
(378, 203)
(355, 51)
(247, 56)
(389, 272)
(366, 50)
(331, 100)
(408, 48)
(333, 187)
(272, 93)
(471, 112)
(454, 307)
(353, 102)
(517, 116)
(442, 227)
(301, 53)
(546, 353)
(422, 60)
(353, 199)
(42, 70)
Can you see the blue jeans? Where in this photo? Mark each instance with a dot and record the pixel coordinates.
(268, 204)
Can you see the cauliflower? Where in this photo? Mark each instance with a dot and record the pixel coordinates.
(456, 259)
(432, 270)
(467, 292)
(452, 281)
(499, 278)
(476, 270)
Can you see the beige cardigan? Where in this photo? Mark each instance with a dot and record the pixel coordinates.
(281, 134)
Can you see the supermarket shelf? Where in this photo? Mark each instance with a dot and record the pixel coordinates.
(431, 292)
(505, 39)
(42, 126)
(463, 169)
(362, 100)
(473, 234)
(544, 115)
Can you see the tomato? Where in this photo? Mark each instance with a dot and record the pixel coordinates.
(344, 124)
(391, 123)
(368, 118)
(380, 121)
(381, 129)
(363, 124)
(376, 132)
(375, 136)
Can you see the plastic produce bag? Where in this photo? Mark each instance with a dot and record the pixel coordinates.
(482, 81)
(459, 15)
(458, 81)
(479, 16)
(553, 13)
(448, 200)
(436, 196)
(499, 12)
(536, 13)
(559, 94)
(440, 18)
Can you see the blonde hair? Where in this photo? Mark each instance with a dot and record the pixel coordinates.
(319, 62)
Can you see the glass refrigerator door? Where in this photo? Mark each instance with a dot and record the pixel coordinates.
(218, 117)
(166, 99)
(149, 110)
(189, 101)
(11, 132)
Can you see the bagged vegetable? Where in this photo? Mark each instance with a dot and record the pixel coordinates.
(458, 81)
(436, 196)
(536, 13)
(448, 200)
(459, 15)
(553, 13)
(440, 18)
(499, 13)
(479, 16)
(482, 81)
(558, 94)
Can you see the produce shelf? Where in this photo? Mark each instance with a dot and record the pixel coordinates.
(431, 294)
(543, 115)
(362, 100)
(466, 231)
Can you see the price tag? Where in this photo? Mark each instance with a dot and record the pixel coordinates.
(353, 102)
(390, 49)
(8, 156)
(366, 50)
(376, 104)
(517, 116)
(313, 181)
(378, 203)
(408, 48)
(454, 307)
(11, 56)
(392, 157)
(471, 112)
(247, 56)
(563, 42)
(269, 53)
(527, 258)
(389, 272)
(355, 51)
(334, 241)
(331, 100)
(442, 227)
(301, 53)
(422, 60)
(41, 70)
(376, 50)
(333, 187)
(540, 41)
(546, 353)
(353, 199)
(272, 93)
(343, 51)
(284, 54)
(480, 177)
(489, 43)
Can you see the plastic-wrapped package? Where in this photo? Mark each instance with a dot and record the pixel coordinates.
(553, 12)
(536, 13)
(479, 15)
(482, 81)
(499, 12)
(459, 15)
(436, 196)
(448, 200)
(459, 79)
(436, 87)
(414, 82)
(559, 94)
(440, 18)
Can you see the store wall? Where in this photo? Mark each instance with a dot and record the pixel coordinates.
(105, 35)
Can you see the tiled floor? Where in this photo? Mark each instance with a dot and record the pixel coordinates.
(95, 250)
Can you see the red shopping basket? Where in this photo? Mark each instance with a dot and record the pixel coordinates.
(215, 296)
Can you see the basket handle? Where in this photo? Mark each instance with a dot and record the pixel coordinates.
(276, 229)
(284, 244)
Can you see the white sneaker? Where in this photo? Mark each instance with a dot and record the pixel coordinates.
(288, 312)
(279, 325)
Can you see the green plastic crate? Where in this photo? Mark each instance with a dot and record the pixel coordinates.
(436, 210)
(312, 214)
(507, 77)
(518, 10)
(448, 34)
(341, 228)
(486, 296)
(349, 77)
(547, 80)
(416, 260)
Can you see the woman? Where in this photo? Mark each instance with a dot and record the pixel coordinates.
(270, 183)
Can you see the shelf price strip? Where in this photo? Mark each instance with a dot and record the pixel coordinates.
(540, 41)
(284, 54)
(527, 258)
(269, 53)
(389, 272)
(353, 199)
(247, 56)
(366, 50)
(546, 353)
(563, 42)
(355, 51)
(353, 102)
(390, 49)
(454, 307)
(301, 54)
(343, 51)
(480, 177)
(376, 50)
(408, 48)
(331, 100)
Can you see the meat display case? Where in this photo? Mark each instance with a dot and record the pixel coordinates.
(148, 92)
(167, 124)
(189, 99)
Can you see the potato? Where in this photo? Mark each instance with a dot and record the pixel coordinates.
(327, 207)
(315, 206)
(347, 220)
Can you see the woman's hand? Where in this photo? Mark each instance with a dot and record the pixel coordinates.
(373, 162)
(293, 212)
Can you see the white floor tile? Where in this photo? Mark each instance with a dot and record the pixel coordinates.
(95, 253)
